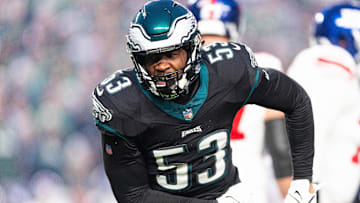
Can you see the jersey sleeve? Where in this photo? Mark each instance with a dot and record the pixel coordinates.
(123, 162)
(236, 68)
(117, 105)
(277, 91)
(252, 75)
(242, 67)
(107, 114)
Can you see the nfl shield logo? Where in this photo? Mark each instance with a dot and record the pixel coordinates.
(188, 114)
(108, 149)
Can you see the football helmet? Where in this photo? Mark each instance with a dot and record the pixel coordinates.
(217, 17)
(339, 25)
(160, 27)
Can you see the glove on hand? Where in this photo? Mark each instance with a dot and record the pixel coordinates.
(227, 199)
(236, 194)
(299, 192)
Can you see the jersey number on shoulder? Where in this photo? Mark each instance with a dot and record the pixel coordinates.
(224, 50)
(182, 176)
(112, 86)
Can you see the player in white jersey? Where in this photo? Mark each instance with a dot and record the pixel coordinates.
(248, 140)
(327, 71)
(219, 20)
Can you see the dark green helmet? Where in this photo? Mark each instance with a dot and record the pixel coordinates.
(162, 26)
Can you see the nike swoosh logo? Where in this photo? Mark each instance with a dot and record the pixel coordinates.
(98, 91)
(312, 199)
(294, 198)
(297, 200)
(297, 192)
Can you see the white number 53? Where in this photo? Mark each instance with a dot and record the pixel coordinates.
(224, 50)
(183, 171)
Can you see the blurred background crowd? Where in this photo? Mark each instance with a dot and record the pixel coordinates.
(52, 55)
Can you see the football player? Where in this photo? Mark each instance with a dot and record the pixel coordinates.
(220, 20)
(165, 123)
(327, 71)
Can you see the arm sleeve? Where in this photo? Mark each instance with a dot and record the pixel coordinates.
(277, 144)
(277, 91)
(127, 173)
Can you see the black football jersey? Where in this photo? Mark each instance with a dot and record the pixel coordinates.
(184, 149)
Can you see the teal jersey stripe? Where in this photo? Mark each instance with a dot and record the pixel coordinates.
(178, 110)
(253, 87)
(111, 130)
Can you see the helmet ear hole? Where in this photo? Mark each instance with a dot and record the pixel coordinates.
(342, 42)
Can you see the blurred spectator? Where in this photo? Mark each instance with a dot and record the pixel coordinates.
(53, 53)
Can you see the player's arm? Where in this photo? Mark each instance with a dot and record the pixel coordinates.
(277, 144)
(277, 91)
(127, 173)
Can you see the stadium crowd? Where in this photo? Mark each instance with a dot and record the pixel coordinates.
(53, 53)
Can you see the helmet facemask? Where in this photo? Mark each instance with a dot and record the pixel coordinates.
(356, 36)
(170, 85)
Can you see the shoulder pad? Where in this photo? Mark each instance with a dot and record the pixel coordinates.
(222, 51)
(116, 82)
(116, 103)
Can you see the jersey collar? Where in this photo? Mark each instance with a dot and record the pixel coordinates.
(186, 112)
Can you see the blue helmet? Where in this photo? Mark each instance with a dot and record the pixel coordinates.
(339, 25)
(159, 27)
(217, 17)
